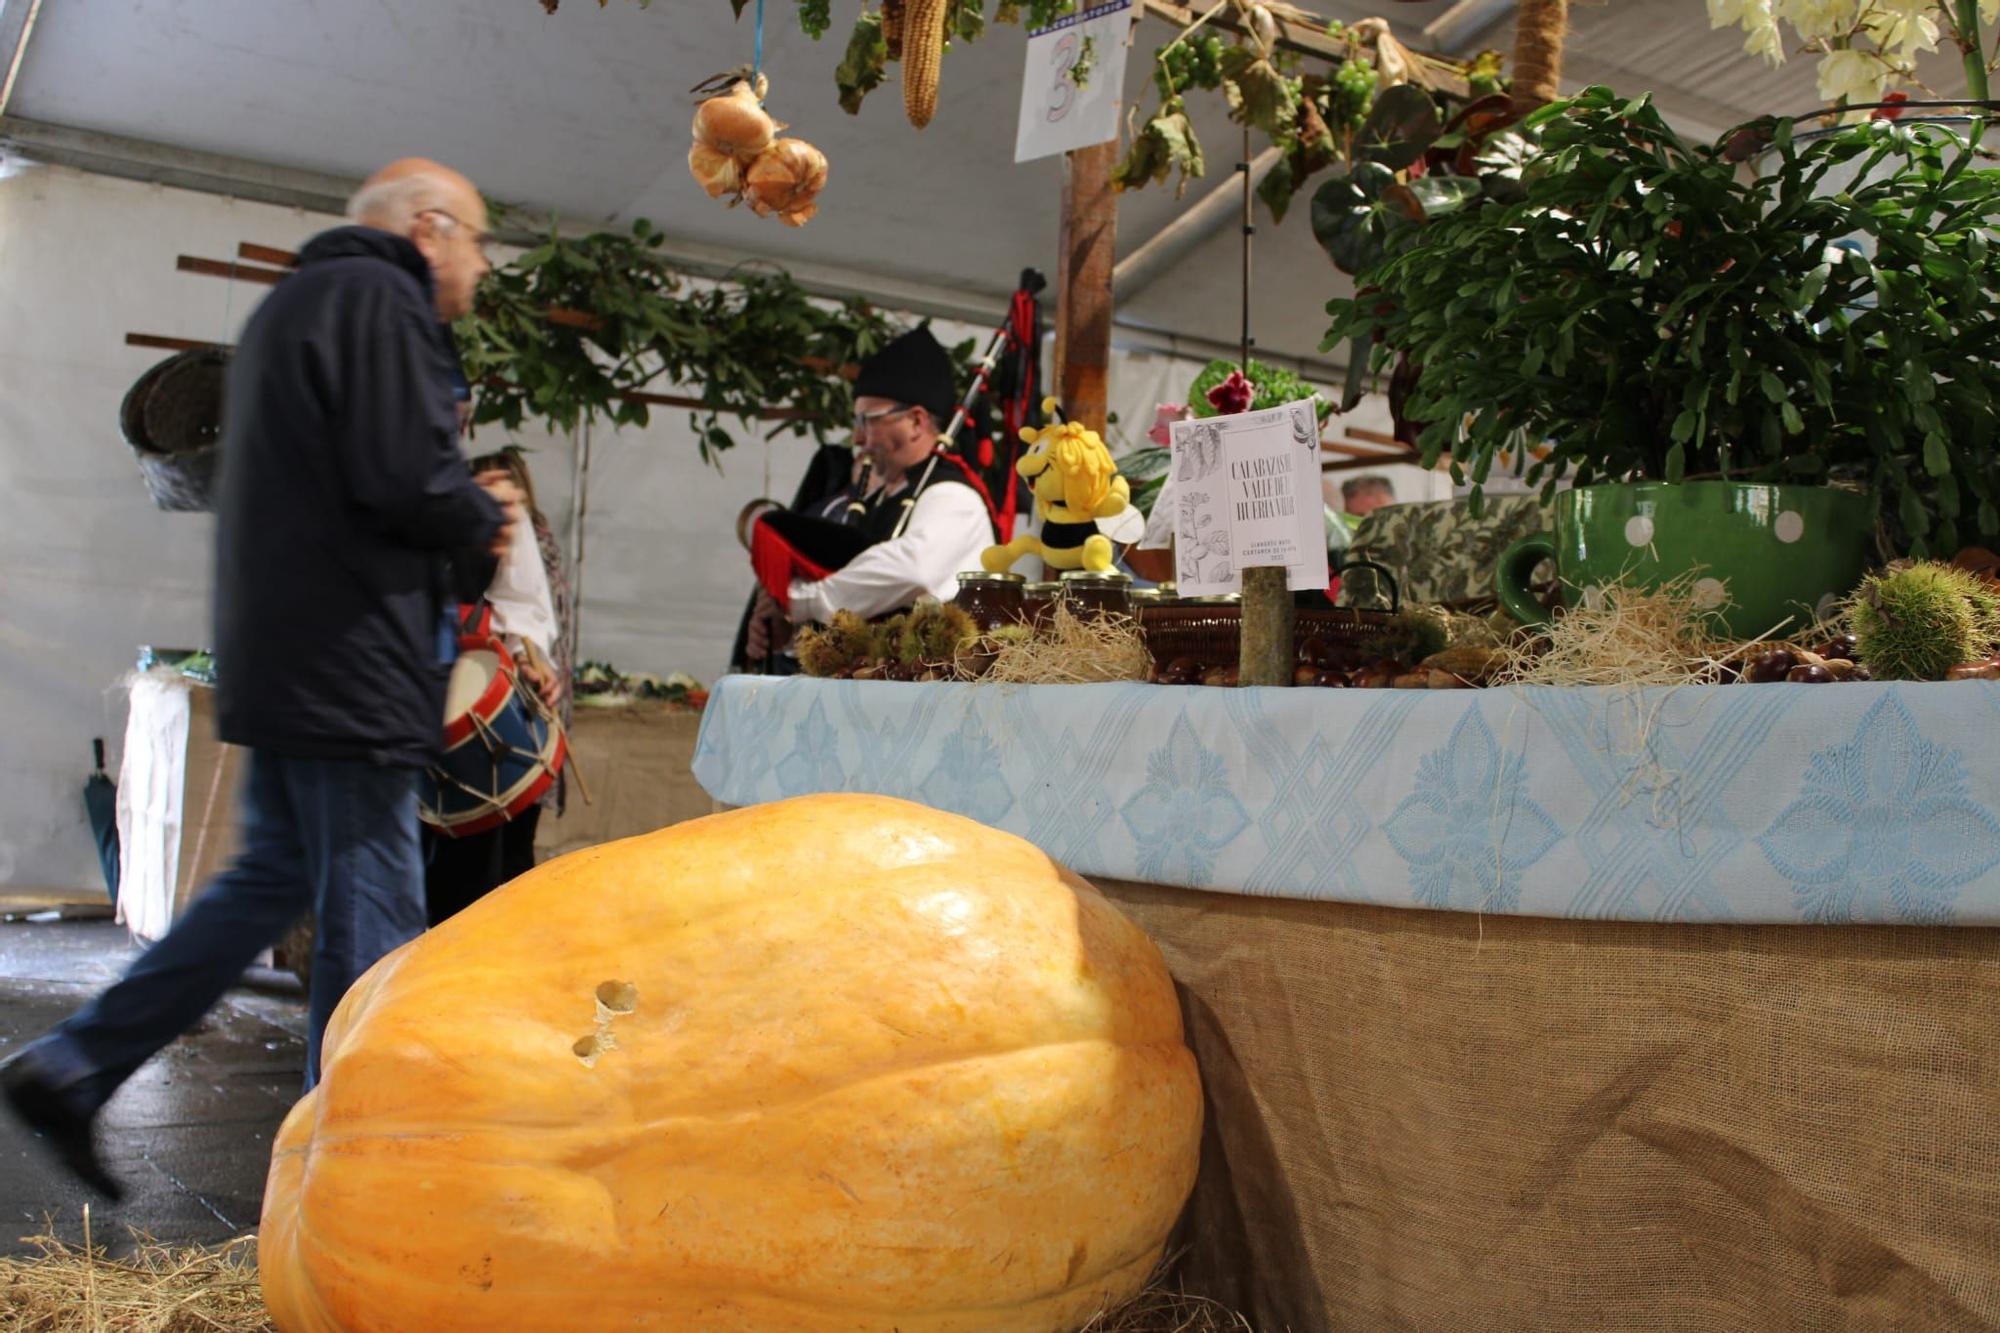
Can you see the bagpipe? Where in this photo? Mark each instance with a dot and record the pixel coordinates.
(503, 746)
(786, 543)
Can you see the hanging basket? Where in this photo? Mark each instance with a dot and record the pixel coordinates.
(172, 418)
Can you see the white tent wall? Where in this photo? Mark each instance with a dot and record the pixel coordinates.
(90, 570)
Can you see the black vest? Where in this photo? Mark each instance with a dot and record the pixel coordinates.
(879, 514)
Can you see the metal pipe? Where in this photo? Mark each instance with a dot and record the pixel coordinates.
(17, 23)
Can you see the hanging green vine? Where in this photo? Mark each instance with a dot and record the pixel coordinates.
(569, 330)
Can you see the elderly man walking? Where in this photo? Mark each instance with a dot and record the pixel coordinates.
(343, 491)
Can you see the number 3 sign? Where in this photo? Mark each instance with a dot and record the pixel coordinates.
(1061, 108)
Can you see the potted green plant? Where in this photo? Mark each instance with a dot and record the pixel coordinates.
(1738, 372)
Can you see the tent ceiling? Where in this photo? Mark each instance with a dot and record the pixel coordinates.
(586, 112)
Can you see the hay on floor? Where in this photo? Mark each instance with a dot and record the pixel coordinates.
(154, 1289)
(72, 1288)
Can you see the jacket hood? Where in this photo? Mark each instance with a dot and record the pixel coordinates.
(368, 243)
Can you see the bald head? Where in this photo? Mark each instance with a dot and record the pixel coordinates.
(394, 196)
(440, 211)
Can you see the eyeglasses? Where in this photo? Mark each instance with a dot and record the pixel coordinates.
(863, 420)
(481, 240)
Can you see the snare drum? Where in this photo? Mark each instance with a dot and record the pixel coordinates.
(503, 748)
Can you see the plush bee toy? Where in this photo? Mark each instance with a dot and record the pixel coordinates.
(1076, 483)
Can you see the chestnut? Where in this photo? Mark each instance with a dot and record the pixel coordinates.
(1330, 679)
(1223, 676)
(1314, 652)
(1809, 675)
(1841, 647)
(1773, 665)
(1305, 674)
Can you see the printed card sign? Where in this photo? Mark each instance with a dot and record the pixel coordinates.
(1246, 493)
(1072, 94)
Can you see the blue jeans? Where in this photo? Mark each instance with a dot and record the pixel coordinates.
(334, 837)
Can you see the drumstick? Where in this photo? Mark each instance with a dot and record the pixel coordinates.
(541, 663)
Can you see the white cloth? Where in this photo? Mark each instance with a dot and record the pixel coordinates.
(519, 595)
(150, 799)
(947, 532)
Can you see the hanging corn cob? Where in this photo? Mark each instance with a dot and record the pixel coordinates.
(923, 58)
(892, 27)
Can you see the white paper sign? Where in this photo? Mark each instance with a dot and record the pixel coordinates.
(1056, 114)
(1246, 493)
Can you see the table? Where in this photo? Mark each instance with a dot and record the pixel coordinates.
(1524, 1009)
(177, 789)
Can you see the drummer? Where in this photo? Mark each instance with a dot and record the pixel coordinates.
(925, 513)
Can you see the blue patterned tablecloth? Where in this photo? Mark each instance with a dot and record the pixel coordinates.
(1748, 803)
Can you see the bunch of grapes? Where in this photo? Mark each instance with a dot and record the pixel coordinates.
(1193, 63)
(1350, 94)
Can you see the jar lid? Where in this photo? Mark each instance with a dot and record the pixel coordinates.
(1221, 599)
(1147, 596)
(1110, 576)
(1041, 589)
(986, 576)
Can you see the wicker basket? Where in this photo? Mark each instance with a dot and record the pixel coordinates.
(1211, 632)
(172, 418)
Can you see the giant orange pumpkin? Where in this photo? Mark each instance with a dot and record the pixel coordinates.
(838, 1062)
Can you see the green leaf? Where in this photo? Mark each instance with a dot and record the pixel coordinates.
(1165, 144)
(1814, 284)
(1676, 462)
(865, 65)
(1277, 189)
(1936, 461)
(1401, 125)
(1355, 388)
(1258, 95)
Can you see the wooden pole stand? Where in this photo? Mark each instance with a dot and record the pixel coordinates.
(1267, 627)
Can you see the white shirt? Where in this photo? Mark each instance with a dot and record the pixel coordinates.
(519, 595)
(946, 533)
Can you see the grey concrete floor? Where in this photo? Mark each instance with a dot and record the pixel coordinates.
(190, 1133)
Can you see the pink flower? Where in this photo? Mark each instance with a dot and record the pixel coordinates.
(1232, 395)
(1165, 415)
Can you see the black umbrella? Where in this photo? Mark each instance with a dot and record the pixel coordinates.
(100, 801)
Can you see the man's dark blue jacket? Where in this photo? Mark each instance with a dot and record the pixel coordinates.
(343, 489)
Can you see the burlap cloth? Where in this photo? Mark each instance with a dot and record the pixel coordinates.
(1439, 1121)
(636, 760)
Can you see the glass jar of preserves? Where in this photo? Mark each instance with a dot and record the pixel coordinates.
(1091, 593)
(992, 600)
(1039, 600)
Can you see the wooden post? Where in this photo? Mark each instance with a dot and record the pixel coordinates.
(1265, 657)
(1264, 639)
(1083, 285)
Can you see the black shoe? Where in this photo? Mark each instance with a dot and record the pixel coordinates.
(42, 1108)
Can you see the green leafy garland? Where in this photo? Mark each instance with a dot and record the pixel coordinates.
(568, 330)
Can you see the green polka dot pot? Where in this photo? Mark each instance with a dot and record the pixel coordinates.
(1765, 557)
